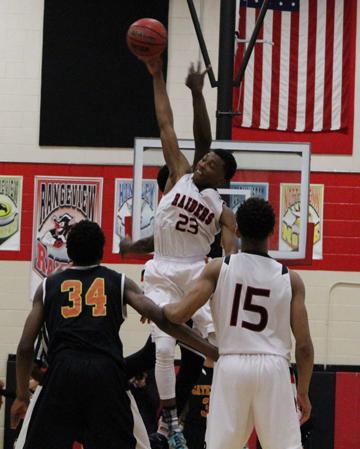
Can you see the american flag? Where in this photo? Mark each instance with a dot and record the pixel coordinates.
(298, 76)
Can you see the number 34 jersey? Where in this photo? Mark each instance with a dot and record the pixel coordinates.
(187, 220)
(84, 309)
(251, 306)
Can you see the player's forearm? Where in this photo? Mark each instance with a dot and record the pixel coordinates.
(229, 243)
(24, 364)
(304, 356)
(163, 109)
(172, 313)
(142, 246)
(201, 126)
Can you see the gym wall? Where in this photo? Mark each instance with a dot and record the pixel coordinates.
(330, 292)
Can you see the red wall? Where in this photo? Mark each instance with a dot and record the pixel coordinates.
(347, 411)
(341, 236)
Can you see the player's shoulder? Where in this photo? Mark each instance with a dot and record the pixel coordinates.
(186, 177)
(296, 280)
(56, 275)
(110, 272)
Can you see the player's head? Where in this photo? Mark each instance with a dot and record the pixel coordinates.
(214, 169)
(255, 219)
(85, 243)
(162, 177)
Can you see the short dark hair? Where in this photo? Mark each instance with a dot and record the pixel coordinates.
(162, 177)
(85, 243)
(255, 218)
(230, 164)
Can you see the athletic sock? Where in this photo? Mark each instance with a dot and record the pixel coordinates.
(163, 428)
(170, 418)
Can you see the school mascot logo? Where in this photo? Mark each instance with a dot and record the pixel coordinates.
(60, 205)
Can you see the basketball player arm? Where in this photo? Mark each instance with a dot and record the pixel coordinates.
(174, 158)
(2, 386)
(182, 311)
(147, 308)
(304, 351)
(25, 357)
(141, 246)
(228, 231)
(201, 122)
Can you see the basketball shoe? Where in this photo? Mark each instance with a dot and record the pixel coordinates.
(158, 441)
(177, 440)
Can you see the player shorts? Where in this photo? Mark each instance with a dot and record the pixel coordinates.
(167, 280)
(252, 391)
(84, 398)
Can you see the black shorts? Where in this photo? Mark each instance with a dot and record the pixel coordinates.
(195, 436)
(84, 398)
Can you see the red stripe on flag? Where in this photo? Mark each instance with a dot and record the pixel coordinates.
(350, 15)
(258, 66)
(275, 80)
(329, 60)
(293, 69)
(310, 91)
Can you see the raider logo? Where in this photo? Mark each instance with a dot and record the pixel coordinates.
(61, 205)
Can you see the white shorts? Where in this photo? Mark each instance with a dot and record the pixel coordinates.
(167, 281)
(252, 391)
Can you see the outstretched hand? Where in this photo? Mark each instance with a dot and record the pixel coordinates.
(154, 65)
(125, 245)
(195, 78)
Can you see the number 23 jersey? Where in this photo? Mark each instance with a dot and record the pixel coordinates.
(187, 220)
(251, 306)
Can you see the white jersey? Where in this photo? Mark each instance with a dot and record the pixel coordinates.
(187, 220)
(251, 306)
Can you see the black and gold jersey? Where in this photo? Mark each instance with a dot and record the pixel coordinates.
(84, 309)
(199, 399)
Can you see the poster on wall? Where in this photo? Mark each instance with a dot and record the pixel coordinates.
(247, 190)
(290, 216)
(10, 212)
(241, 191)
(60, 202)
(123, 209)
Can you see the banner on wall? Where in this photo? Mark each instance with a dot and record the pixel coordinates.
(10, 212)
(123, 208)
(247, 190)
(59, 203)
(290, 216)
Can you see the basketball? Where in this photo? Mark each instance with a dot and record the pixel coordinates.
(146, 38)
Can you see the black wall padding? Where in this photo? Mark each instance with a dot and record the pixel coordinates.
(10, 435)
(322, 397)
(94, 91)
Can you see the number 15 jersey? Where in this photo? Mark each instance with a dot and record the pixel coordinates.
(251, 306)
(187, 220)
